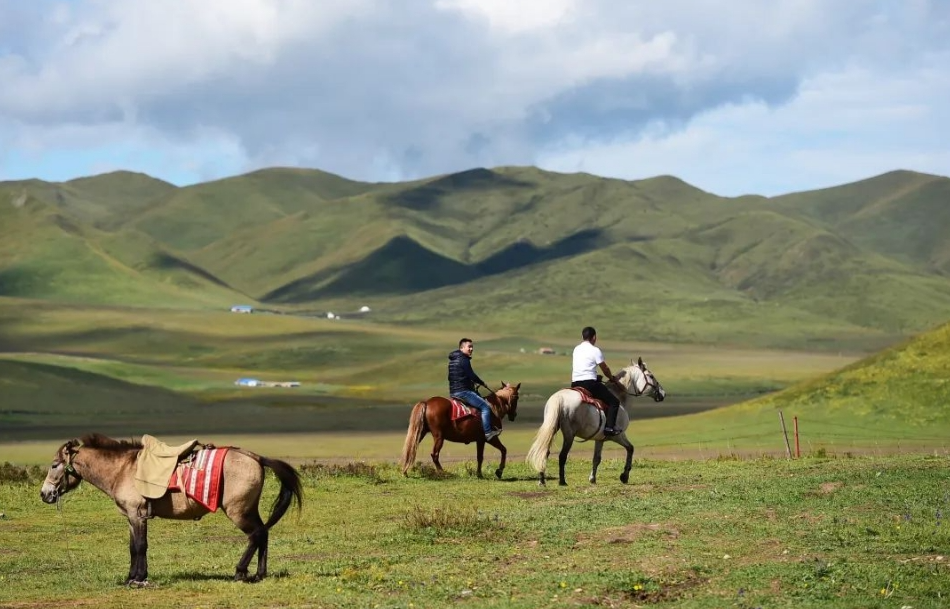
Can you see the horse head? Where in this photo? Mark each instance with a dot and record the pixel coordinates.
(636, 380)
(61, 477)
(508, 394)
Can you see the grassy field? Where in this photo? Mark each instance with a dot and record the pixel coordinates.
(129, 370)
(814, 532)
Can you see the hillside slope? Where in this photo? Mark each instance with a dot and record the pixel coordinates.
(48, 253)
(909, 382)
(855, 265)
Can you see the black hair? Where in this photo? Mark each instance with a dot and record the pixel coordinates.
(463, 341)
(588, 333)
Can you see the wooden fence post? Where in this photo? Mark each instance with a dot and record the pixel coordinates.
(798, 453)
(788, 448)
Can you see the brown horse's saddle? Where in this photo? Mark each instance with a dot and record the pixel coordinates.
(460, 409)
(155, 464)
(589, 399)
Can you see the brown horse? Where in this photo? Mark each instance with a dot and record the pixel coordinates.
(110, 466)
(435, 416)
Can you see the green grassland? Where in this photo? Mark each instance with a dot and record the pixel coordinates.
(815, 532)
(66, 366)
(66, 369)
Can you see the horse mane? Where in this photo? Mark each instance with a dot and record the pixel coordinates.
(97, 440)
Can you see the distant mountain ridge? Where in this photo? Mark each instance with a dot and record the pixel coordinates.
(504, 247)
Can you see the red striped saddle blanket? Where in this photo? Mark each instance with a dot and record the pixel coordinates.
(588, 398)
(200, 477)
(460, 410)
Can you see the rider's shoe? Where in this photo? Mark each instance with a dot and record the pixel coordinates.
(492, 434)
(612, 431)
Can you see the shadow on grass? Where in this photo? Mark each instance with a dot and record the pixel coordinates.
(186, 576)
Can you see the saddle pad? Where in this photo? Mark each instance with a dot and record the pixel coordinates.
(200, 478)
(589, 399)
(460, 410)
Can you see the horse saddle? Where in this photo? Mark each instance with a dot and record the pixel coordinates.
(155, 464)
(589, 399)
(460, 409)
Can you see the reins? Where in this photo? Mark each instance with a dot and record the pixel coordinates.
(68, 470)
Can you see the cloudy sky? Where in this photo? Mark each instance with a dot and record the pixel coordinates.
(733, 96)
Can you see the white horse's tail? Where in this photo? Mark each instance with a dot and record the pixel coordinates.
(538, 454)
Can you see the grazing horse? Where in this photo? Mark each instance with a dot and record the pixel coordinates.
(110, 466)
(565, 411)
(435, 416)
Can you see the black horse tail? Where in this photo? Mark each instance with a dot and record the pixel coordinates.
(290, 488)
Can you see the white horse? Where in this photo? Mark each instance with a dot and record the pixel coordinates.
(566, 412)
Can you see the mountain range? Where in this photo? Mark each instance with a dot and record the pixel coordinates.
(513, 249)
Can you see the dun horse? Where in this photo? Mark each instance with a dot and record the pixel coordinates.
(565, 411)
(110, 466)
(435, 416)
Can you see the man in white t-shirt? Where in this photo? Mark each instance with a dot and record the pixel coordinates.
(587, 357)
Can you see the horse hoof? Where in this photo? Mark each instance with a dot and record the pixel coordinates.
(624, 478)
(593, 480)
(498, 473)
(562, 483)
(133, 583)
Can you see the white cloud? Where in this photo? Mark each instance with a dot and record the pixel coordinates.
(754, 148)
(379, 90)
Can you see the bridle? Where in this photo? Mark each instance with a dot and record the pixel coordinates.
(648, 381)
(71, 450)
(504, 404)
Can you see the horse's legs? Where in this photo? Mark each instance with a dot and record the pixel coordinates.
(598, 450)
(504, 453)
(138, 551)
(437, 442)
(562, 457)
(542, 479)
(479, 455)
(251, 524)
(623, 441)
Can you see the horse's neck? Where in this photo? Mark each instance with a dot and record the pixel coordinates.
(101, 468)
(499, 405)
(634, 375)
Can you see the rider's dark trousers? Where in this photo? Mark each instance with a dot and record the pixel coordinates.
(600, 391)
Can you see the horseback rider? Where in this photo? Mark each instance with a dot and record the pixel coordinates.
(462, 383)
(587, 357)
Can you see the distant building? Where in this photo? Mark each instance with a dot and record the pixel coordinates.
(364, 309)
(546, 351)
(330, 315)
(245, 382)
(242, 309)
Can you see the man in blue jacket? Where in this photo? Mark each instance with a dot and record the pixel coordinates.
(462, 383)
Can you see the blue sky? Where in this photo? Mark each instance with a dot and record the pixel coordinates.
(734, 97)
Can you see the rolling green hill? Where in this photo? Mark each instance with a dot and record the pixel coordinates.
(853, 266)
(46, 252)
(908, 383)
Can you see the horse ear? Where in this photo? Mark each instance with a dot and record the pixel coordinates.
(640, 362)
(504, 384)
(518, 386)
